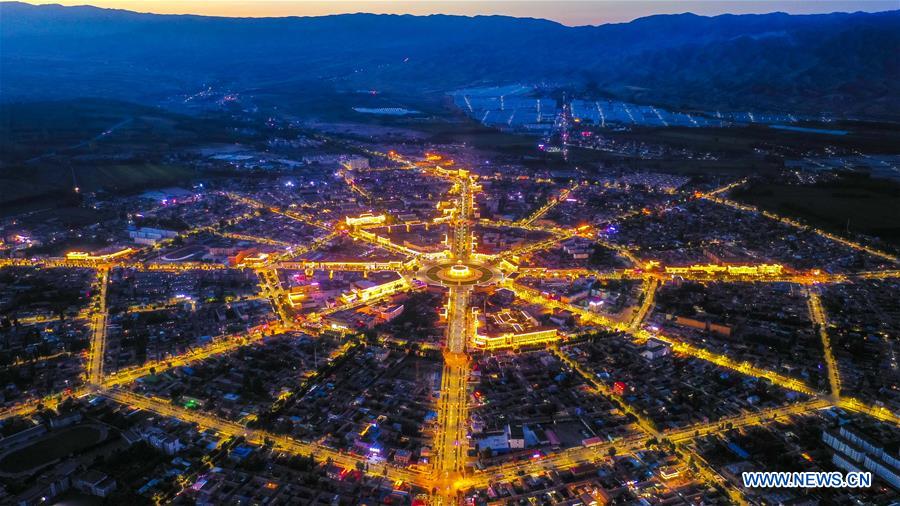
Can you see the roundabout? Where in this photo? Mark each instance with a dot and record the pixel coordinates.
(458, 273)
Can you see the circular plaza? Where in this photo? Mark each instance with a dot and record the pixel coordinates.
(457, 273)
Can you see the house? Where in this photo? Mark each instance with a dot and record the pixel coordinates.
(95, 483)
(655, 349)
(157, 438)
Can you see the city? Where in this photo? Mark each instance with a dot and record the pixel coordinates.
(527, 295)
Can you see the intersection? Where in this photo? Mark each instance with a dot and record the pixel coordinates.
(461, 270)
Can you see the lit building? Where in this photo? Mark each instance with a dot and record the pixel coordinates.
(761, 270)
(513, 340)
(366, 219)
(98, 257)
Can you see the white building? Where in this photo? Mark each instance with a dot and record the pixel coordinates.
(854, 453)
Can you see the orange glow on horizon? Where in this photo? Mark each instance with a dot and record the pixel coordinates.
(573, 13)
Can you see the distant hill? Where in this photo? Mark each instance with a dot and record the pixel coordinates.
(841, 62)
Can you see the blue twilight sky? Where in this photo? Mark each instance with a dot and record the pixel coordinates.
(570, 12)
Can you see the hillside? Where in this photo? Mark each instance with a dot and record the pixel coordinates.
(835, 62)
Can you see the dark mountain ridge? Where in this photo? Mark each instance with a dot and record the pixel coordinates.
(840, 62)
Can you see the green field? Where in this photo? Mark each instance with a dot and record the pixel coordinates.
(49, 448)
(871, 206)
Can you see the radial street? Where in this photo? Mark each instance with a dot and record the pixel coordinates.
(450, 471)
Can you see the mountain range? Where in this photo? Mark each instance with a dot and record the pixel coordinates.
(841, 62)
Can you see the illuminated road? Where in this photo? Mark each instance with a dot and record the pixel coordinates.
(748, 419)
(55, 262)
(219, 346)
(47, 318)
(304, 265)
(534, 296)
(603, 390)
(796, 224)
(270, 287)
(345, 175)
(574, 273)
(458, 319)
(817, 315)
(649, 292)
(295, 251)
(572, 457)
(462, 241)
(98, 330)
(277, 210)
(451, 444)
(383, 243)
(563, 195)
(813, 277)
(450, 472)
(877, 412)
(29, 407)
(258, 437)
(536, 246)
(253, 238)
(649, 427)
